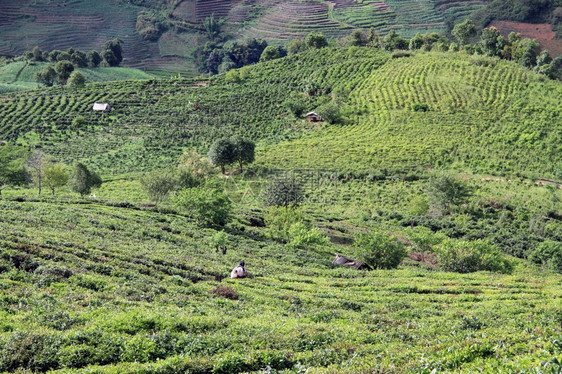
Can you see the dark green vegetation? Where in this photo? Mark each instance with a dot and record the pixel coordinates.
(122, 281)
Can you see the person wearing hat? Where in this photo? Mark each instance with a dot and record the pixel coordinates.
(239, 271)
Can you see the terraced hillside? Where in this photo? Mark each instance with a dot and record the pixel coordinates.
(486, 114)
(85, 25)
(109, 289)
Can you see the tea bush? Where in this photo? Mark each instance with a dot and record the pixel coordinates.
(379, 251)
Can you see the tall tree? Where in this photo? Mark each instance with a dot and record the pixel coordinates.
(464, 31)
(82, 180)
(56, 176)
(94, 59)
(213, 26)
(243, 151)
(315, 40)
(12, 165)
(64, 69)
(113, 52)
(221, 153)
(47, 76)
(37, 163)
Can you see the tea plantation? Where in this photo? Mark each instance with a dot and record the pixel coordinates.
(113, 282)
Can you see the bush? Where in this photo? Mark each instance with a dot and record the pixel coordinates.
(225, 292)
(462, 256)
(208, 206)
(549, 255)
(158, 184)
(379, 251)
(420, 107)
(279, 219)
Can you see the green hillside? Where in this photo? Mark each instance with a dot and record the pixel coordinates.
(20, 76)
(138, 291)
(483, 114)
(444, 164)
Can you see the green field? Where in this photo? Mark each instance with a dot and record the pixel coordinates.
(112, 282)
(20, 76)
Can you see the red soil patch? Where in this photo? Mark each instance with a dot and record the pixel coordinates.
(541, 31)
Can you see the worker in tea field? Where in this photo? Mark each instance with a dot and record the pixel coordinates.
(239, 271)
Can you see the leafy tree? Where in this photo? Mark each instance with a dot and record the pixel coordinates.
(446, 191)
(47, 76)
(82, 180)
(221, 153)
(526, 52)
(244, 151)
(464, 31)
(209, 206)
(416, 42)
(373, 38)
(544, 58)
(330, 112)
(270, 53)
(36, 164)
(12, 165)
(295, 46)
(64, 69)
(199, 166)
(76, 80)
(315, 40)
(219, 241)
(548, 254)
(94, 59)
(63, 56)
(213, 26)
(283, 192)
(37, 54)
(379, 251)
(393, 41)
(303, 236)
(54, 54)
(79, 58)
(357, 38)
(113, 52)
(56, 176)
(214, 61)
(492, 42)
(158, 184)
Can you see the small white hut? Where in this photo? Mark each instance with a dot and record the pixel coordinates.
(101, 107)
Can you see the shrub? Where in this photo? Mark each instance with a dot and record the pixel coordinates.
(279, 219)
(225, 292)
(549, 255)
(379, 251)
(446, 191)
(462, 256)
(208, 206)
(420, 107)
(158, 184)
